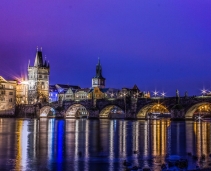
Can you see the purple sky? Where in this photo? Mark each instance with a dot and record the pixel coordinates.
(156, 44)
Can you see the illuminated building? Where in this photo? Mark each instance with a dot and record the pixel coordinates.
(103, 93)
(38, 79)
(66, 92)
(111, 93)
(82, 94)
(7, 95)
(97, 93)
(22, 93)
(146, 94)
(133, 92)
(98, 80)
(53, 93)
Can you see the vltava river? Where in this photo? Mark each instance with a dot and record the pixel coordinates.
(80, 144)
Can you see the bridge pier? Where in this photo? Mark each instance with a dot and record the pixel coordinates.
(177, 114)
(93, 114)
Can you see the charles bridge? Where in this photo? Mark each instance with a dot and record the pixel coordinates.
(128, 108)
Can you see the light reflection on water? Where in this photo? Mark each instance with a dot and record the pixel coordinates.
(51, 144)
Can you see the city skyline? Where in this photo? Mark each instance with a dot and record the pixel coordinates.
(138, 43)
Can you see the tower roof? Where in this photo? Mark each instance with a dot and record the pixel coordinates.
(99, 70)
(135, 87)
(2, 80)
(38, 59)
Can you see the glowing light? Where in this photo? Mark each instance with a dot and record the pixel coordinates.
(163, 94)
(199, 118)
(203, 91)
(24, 82)
(155, 93)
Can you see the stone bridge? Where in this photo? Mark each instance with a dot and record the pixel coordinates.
(130, 108)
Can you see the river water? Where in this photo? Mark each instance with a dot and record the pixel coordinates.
(81, 144)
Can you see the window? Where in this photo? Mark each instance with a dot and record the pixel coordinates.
(10, 93)
(43, 86)
(10, 100)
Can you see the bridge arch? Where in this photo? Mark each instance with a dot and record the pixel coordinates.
(47, 111)
(76, 111)
(112, 111)
(199, 108)
(153, 108)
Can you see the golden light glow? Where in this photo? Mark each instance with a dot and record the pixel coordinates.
(203, 109)
(24, 82)
(158, 109)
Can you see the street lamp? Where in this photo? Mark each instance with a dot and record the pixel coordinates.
(155, 93)
(203, 91)
(163, 94)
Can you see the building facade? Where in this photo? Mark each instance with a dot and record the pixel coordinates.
(22, 92)
(66, 92)
(7, 95)
(82, 94)
(38, 79)
(98, 93)
(53, 94)
(98, 80)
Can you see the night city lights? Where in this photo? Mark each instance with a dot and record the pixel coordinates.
(105, 85)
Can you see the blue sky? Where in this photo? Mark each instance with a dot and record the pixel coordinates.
(158, 44)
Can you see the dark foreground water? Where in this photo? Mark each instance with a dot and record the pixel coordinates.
(51, 144)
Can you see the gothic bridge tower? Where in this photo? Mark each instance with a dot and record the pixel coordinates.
(38, 79)
(98, 80)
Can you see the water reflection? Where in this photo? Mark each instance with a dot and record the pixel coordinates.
(51, 144)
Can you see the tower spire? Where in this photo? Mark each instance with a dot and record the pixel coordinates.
(45, 63)
(98, 60)
(48, 64)
(38, 59)
(98, 80)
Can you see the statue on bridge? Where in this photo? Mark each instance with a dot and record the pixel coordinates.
(186, 94)
(177, 96)
(177, 93)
